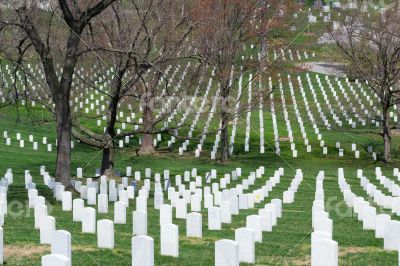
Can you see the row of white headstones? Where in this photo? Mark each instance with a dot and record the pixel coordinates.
(158, 137)
(324, 249)
(294, 151)
(281, 54)
(4, 183)
(382, 223)
(97, 102)
(324, 118)
(392, 201)
(169, 232)
(311, 119)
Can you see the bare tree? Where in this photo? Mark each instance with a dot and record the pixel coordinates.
(41, 28)
(370, 44)
(139, 40)
(225, 29)
(228, 26)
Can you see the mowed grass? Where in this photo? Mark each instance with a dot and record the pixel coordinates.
(288, 244)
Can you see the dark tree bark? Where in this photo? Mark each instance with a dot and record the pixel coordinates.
(224, 138)
(60, 87)
(63, 121)
(387, 139)
(225, 92)
(147, 146)
(108, 160)
(124, 39)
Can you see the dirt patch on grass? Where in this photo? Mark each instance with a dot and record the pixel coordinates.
(302, 261)
(284, 139)
(196, 240)
(395, 133)
(343, 251)
(20, 251)
(84, 248)
(26, 251)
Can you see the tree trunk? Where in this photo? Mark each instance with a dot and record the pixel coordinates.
(224, 138)
(63, 120)
(398, 115)
(387, 139)
(147, 146)
(107, 162)
(224, 123)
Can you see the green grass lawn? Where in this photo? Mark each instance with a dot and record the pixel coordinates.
(290, 241)
(288, 244)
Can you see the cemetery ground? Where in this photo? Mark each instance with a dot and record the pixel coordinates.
(287, 244)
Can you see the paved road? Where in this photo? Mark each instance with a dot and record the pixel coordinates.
(327, 68)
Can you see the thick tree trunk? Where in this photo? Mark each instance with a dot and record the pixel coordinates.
(60, 86)
(107, 162)
(147, 146)
(224, 139)
(387, 139)
(63, 161)
(224, 123)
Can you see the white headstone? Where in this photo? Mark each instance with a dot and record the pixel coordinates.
(254, 222)
(226, 216)
(55, 259)
(105, 234)
(139, 223)
(226, 253)
(141, 204)
(391, 239)
(169, 238)
(324, 252)
(165, 214)
(89, 220)
(47, 227)
(381, 219)
(119, 212)
(102, 203)
(77, 212)
(61, 243)
(1, 245)
(91, 195)
(214, 218)
(66, 201)
(245, 238)
(194, 225)
(181, 209)
(142, 251)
